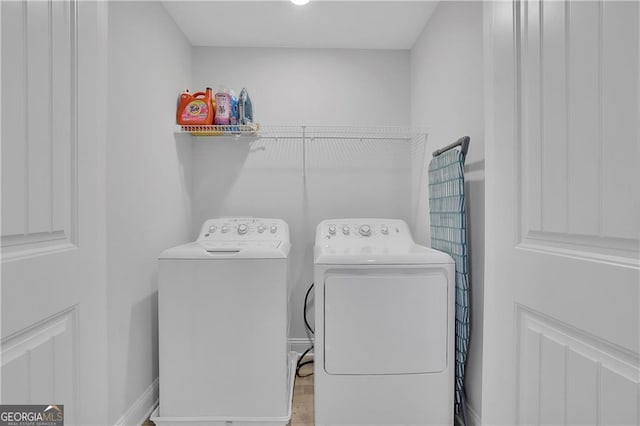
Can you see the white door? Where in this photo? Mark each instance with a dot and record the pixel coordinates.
(53, 292)
(561, 318)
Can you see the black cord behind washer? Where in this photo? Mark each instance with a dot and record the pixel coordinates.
(300, 363)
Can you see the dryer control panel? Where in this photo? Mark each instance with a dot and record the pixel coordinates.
(381, 234)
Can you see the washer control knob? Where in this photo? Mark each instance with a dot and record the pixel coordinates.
(273, 229)
(212, 228)
(242, 229)
(332, 230)
(345, 230)
(261, 229)
(384, 230)
(365, 230)
(225, 229)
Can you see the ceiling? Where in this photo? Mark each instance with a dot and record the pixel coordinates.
(319, 24)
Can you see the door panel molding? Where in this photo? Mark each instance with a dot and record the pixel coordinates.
(562, 370)
(39, 161)
(618, 251)
(38, 363)
(570, 187)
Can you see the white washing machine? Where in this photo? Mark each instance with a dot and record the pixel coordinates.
(223, 309)
(384, 316)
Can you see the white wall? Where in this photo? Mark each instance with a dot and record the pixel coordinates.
(333, 87)
(343, 178)
(148, 205)
(447, 98)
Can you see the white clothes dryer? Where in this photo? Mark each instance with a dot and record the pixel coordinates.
(223, 309)
(384, 318)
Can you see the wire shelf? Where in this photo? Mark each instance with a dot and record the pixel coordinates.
(309, 133)
(362, 133)
(343, 139)
(220, 130)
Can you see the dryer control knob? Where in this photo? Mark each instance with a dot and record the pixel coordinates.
(212, 228)
(225, 229)
(261, 228)
(273, 229)
(332, 230)
(242, 229)
(365, 230)
(345, 230)
(384, 230)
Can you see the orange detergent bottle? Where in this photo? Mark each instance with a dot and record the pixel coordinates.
(196, 109)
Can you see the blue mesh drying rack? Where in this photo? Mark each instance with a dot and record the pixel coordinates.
(449, 234)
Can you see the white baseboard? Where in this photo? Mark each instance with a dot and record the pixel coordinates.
(299, 344)
(142, 407)
(474, 418)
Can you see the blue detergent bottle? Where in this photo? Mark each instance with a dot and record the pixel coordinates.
(234, 116)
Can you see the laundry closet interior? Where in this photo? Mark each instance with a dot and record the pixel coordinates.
(344, 118)
(351, 101)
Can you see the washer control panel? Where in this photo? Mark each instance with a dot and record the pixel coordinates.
(354, 233)
(244, 229)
